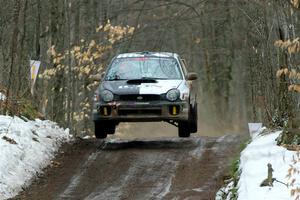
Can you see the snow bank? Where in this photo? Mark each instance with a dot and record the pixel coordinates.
(253, 164)
(225, 192)
(26, 148)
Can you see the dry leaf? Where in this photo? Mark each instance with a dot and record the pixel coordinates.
(11, 141)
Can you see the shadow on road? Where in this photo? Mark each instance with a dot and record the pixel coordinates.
(157, 143)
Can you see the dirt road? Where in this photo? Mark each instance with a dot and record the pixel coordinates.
(155, 168)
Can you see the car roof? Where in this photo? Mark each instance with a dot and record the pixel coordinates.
(148, 54)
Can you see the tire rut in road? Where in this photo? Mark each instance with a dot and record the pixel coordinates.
(171, 168)
(200, 178)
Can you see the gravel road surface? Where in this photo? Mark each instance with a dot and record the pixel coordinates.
(152, 168)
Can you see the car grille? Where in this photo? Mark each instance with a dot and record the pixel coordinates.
(144, 97)
(124, 112)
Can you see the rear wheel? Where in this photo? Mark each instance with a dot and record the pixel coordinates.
(184, 129)
(193, 118)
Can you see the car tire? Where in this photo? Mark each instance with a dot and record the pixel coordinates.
(111, 128)
(184, 129)
(100, 132)
(194, 118)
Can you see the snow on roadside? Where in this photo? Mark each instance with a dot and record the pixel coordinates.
(26, 148)
(253, 164)
(225, 192)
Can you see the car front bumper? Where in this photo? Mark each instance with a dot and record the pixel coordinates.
(122, 111)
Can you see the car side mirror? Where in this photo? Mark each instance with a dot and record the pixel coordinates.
(192, 76)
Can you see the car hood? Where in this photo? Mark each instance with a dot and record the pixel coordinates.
(122, 87)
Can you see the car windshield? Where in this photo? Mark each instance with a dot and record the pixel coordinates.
(144, 68)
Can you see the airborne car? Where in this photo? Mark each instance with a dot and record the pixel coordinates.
(146, 87)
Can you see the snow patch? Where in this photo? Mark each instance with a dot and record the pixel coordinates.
(198, 189)
(166, 188)
(225, 192)
(26, 148)
(253, 165)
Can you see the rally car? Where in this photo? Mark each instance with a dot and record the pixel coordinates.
(146, 87)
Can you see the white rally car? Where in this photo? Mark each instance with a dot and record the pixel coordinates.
(146, 87)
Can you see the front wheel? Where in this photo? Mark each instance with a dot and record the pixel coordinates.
(111, 128)
(103, 128)
(184, 129)
(100, 132)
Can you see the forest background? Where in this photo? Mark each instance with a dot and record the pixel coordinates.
(244, 51)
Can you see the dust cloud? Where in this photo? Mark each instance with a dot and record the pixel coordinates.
(164, 129)
(209, 124)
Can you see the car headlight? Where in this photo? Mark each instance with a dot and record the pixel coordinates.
(173, 95)
(107, 95)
